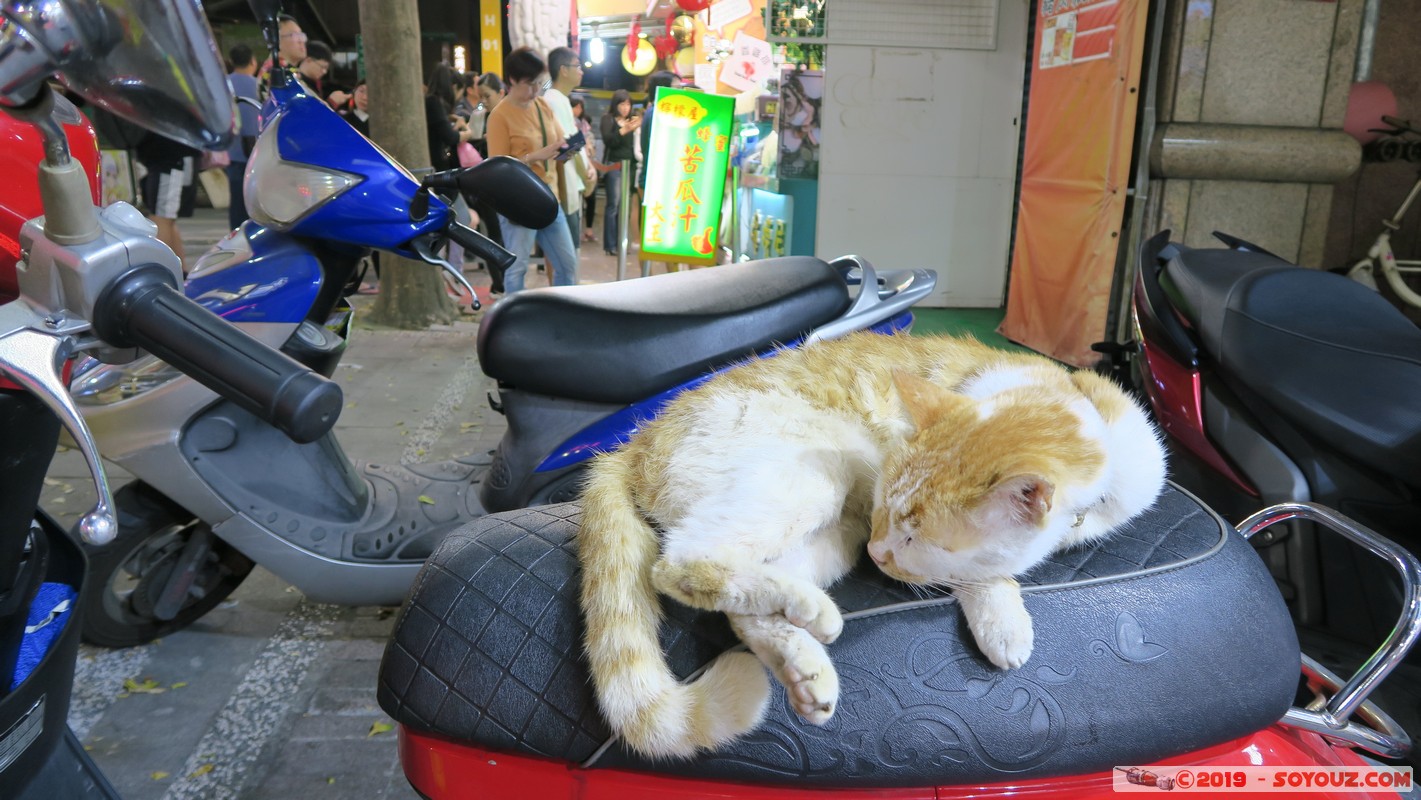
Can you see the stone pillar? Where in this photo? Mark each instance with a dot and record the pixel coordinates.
(1252, 95)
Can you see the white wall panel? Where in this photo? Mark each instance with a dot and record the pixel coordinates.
(919, 153)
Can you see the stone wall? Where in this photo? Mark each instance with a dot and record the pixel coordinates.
(1237, 75)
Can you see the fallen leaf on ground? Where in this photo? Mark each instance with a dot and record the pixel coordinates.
(148, 686)
(158, 776)
(200, 771)
(426, 499)
(379, 727)
(178, 685)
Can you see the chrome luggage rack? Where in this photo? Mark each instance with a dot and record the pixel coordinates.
(1331, 714)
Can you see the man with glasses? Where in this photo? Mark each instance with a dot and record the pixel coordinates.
(314, 68)
(291, 52)
(566, 73)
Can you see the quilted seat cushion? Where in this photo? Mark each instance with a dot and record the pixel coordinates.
(1167, 637)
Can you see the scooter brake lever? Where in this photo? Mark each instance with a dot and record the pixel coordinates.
(33, 359)
(424, 248)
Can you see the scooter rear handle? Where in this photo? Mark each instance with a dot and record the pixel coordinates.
(1382, 736)
(143, 309)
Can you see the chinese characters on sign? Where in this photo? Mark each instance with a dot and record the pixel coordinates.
(685, 179)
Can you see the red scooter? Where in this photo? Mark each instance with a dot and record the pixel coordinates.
(1279, 384)
(1162, 653)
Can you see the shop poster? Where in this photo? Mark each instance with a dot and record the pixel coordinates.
(1075, 171)
(116, 176)
(685, 179)
(801, 98)
(750, 65)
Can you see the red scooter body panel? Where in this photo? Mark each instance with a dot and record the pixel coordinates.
(443, 769)
(21, 149)
(1177, 399)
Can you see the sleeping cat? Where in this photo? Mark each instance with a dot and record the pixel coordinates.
(956, 464)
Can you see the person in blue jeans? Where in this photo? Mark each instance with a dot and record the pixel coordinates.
(523, 126)
(619, 128)
(244, 84)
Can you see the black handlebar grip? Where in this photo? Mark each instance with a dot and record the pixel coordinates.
(481, 246)
(143, 309)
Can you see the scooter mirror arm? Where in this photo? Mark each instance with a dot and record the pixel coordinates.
(1350, 697)
(878, 299)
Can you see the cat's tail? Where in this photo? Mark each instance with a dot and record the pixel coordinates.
(654, 713)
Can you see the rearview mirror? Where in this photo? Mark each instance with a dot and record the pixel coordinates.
(268, 14)
(153, 63)
(513, 189)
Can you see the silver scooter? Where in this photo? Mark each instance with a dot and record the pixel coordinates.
(219, 490)
(97, 281)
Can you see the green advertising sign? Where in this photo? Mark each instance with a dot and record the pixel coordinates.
(685, 179)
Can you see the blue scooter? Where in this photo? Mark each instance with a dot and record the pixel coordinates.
(579, 369)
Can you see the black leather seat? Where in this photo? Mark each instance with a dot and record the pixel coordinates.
(1165, 638)
(1332, 356)
(626, 341)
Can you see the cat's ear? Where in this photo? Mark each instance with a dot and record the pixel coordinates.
(922, 399)
(1026, 498)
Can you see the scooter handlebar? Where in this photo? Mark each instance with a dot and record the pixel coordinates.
(143, 309)
(481, 246)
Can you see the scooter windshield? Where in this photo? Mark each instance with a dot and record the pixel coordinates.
(152, 62)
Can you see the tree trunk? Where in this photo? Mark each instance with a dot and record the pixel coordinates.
(412, 293)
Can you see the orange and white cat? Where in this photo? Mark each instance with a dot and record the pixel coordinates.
(955, 464)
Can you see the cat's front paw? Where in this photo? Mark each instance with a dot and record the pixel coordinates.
(816, 613)
(1005, 638)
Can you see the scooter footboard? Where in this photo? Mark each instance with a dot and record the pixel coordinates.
(1165, 638)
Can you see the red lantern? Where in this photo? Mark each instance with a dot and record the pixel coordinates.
(693, 6)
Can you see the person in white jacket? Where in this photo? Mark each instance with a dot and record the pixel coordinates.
(565, 72)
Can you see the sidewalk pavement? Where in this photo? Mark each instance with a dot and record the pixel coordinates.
(272, 696)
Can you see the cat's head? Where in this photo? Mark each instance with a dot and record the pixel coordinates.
(970, 496)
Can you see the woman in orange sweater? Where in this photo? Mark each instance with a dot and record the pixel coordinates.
(523, 126)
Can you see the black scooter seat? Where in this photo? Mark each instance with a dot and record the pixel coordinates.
(1165, 638)
(626, 341)
(1327, 353)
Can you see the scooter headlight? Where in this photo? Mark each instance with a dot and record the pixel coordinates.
(95, 383)
(278, 193)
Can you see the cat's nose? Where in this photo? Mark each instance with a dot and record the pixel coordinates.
(878, 551)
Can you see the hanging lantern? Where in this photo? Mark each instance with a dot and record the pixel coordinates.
(684, 63)
(683, 30)
(633, 40)
(638, 61)
(693, 6)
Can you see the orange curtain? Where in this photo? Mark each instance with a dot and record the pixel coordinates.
(1075, 171)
